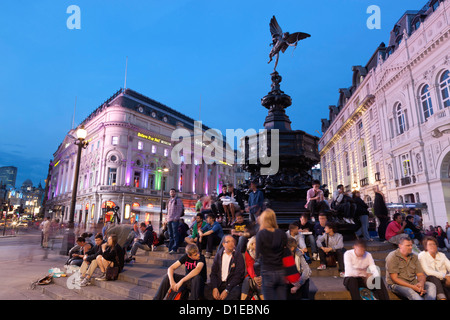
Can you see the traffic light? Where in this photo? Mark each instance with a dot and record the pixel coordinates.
(11, 207)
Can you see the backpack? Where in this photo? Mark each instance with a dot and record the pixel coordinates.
(155, 238)
(182, 294)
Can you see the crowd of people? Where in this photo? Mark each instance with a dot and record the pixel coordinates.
(255, 259)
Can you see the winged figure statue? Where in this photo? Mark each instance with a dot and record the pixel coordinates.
(282, 40)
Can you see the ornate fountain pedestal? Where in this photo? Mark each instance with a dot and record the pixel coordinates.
(284, 191)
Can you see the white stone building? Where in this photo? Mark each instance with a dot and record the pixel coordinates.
(390, 129)
(129, 141)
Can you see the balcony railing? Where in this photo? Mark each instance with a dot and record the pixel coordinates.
(377, 176)
(364, 182)
(405, 181)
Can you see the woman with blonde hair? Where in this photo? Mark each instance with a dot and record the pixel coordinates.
(270, 247)
(252, 281)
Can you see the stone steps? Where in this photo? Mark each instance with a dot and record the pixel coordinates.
(141, 279)
(331, 288)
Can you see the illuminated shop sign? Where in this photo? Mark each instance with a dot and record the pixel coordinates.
(154, 139)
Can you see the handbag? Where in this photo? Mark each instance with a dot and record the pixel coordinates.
(112, 273)
(330, 258)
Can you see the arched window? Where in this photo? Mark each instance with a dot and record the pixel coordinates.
(445, 89)
(401, 119)
(425, 99)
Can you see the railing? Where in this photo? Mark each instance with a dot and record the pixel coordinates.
(405, 181)
(364, 182)
(377, 176)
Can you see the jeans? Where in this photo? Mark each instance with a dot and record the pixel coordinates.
(174, 236)
(301, 294)
(242, 244)
(196, 287)
(442, 292)
(339, 258)
(137, 246)
(364, 230)
(352, 284)
(396, 239)
(410, 294)
(311, 241)
(315, 207)
(273, 285)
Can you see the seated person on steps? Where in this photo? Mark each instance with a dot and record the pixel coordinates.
(194, 279)
(227, 272)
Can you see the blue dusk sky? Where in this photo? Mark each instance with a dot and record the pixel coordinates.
(179, 53)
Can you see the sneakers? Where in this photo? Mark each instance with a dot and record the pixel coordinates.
(102, 277)
(129, 259)
(315, 256)
(86, 281)
(322, 267)
(172, 252)
(342, 274)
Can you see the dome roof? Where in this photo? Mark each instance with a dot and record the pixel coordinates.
(27, 183)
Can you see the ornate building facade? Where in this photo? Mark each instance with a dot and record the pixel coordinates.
(123, 165)
(390, 129)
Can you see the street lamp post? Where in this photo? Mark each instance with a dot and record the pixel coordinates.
(70, 237)
(162, 171)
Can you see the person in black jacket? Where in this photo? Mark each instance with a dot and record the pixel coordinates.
(90, 261)
(362, 214)
(381, 212)
(145, 243)
(416, 231)
(270, 249)
(227, 284)
(112, 256)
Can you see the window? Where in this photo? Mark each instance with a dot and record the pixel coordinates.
(401, 120)
(417, 25)
(363, 155)
(406, 165)
(435, 5)
(112, 176)
(166, 152)
(335, 172)
(98, 144)
(91, 180)
(371, 114)
(347, 165)
(140, 145)
(137, 177)
(374, 142)
(360, 126)
(153, 149)
(425, 99)
(151, 181)
(115, 140)
(445, 89)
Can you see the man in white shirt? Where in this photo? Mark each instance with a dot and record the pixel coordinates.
(361, 272)
(227, 272)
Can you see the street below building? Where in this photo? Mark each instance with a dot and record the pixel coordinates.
(22, 261)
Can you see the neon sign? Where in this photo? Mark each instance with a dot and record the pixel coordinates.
(148, 137)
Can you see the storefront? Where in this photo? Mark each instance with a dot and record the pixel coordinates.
(421, 209)
(108, 210)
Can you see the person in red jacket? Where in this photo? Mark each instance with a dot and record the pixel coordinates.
(253, 278)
